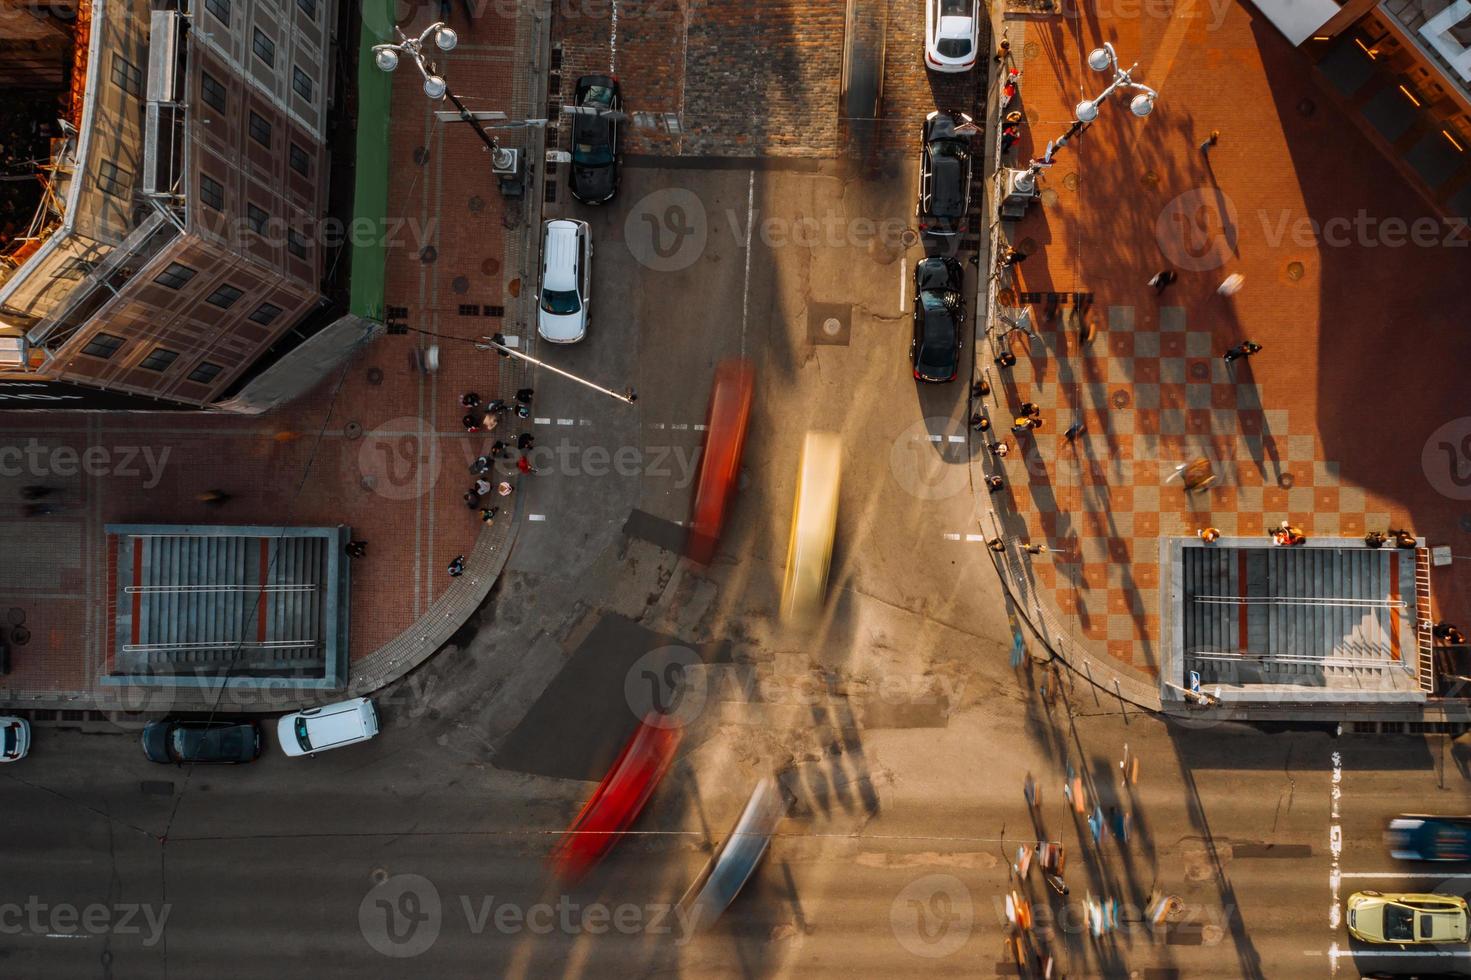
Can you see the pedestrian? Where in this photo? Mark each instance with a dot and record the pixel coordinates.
(488, 422)
(1231, 285)
(1012, 257)
(1244, 349)
(1026, 423)
(980, 389)
(35, 492)
(214, 498)
(979, 422)
(523, 396)
(994, 483)
(487, 515)
(999, 449)
(1073, 431)
(1375, 539)
(1197, 474)
(1003, 51)
(1031, 408)
(1162, 279)
(996, 545)
(1036, 549)
(481, 466)
(1006, 359)
(1287, 535)
(470, 424)
(498, 450)
(496, 407)
(1447, 632)
(1404, 539)
(1009, 136)
(482, 486)
(1209, 535)
(1210, 141)
(524, 465)
(504, 489)
(471, 499)
(1014, 118)
(469, 400)
(457, 566)
(357, 549)
(525, 441)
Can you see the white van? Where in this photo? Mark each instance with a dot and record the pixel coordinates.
(566, 281)
(329, 727)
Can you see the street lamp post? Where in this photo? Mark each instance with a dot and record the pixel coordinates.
(497, 344)
(386, 56)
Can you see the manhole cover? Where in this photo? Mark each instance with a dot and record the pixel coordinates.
(477, 204)
(1031, 49)
(1286, 480)
(1027, 246)
(909, 237)
(513, 288)
(1295, 271)
(490, 267)
(829, 323)
(375, 376)
(1119, 399)
(354, 430)
(421, 155)
(832, 326)
(379, 875)
(1071, 181)
(1149, 179)
(1307, 107)
(428, 254)
(1049, 198)
(1200, 370)
(20, 636)
(16, 616)
(461, 285)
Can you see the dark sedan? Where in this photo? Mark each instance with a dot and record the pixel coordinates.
(944, 173)
(204, 742)
(939, 317)
(599, 105)
(1417, 837)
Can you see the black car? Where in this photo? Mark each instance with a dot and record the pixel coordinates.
(939, 317)
(594, 177)
(204, 742)
(944, 173)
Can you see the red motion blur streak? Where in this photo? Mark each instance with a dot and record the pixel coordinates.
(618, 800)
(725, 438)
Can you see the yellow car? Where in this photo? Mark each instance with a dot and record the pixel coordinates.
(1378, 918)
(814, 520)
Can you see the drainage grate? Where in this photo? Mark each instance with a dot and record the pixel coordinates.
(469, 309)
(494, 311)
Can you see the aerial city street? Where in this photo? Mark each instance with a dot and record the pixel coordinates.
(858, 488)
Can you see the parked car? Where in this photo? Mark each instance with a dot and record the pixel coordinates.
(939, 317)
(944, 174)
(204, 742)
(594, 178)
(15, 738)
(566, 281)
(1406, 918)
(952, 34)
(1419, 837)
(330, 726)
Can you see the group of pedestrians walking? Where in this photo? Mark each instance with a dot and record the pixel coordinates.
(487, 418)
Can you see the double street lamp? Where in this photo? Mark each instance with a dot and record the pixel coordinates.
(386, 56)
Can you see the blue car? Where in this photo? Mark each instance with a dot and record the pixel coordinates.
(1417, 837)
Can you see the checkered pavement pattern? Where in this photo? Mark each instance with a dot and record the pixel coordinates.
(1151, 398)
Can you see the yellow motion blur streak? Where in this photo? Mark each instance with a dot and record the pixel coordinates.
(814, 519)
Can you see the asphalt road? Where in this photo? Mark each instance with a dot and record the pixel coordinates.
(898, 724)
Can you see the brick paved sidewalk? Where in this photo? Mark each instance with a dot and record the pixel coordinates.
(379, 447)
(1340, 425)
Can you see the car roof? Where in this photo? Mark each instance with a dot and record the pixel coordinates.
(560, 260)
(337, 723)
(947, 191)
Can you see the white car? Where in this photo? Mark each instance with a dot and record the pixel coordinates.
(566, 281)
(329, 727)
(952, 34)
(15, 738)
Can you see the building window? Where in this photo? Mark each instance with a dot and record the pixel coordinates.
(176, 276)
(212, 91)
(260, 130)
(295, 244)
(224, 297)
(159, 359)
(257, 219)
(205, 373)
(211, 192)
(308, 7)
(113, 180)
(102, 345)
(221, 10)
(265, 314)
(73, 268)
(300, 162)
(126, 75)
(264, 47)
(301, 83)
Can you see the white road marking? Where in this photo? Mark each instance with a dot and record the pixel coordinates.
(536, 517)
(957, 438)
(539, 420)
(67, 935)
(934, 438)
(975, 537)
(681, 425)
(1393, 874)
(584, 421)
(701, 428)
(1335, 846)
(750, 236)
(952, 537)
(512, 339)
(903, 282)
(613, 42)
(566, 421)
(656, 425)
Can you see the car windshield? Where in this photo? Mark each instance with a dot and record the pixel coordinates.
(598, 95)
(185, 744)
(1399, 922)
(10, 739)
(593, 143)
(953, 47)
(954, 8)
(560, 303)
(301, 739)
